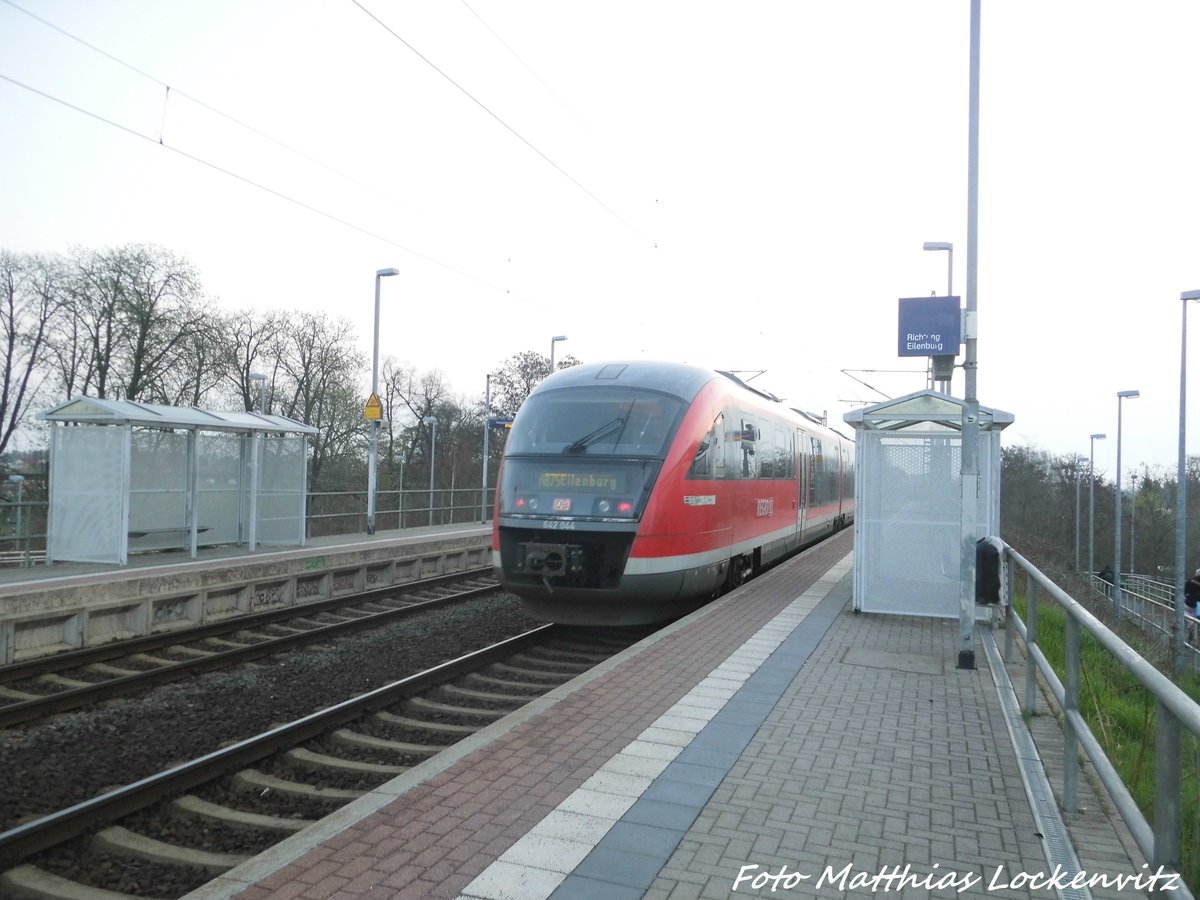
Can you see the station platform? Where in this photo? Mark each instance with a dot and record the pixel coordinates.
(774, 743)
(69, 605)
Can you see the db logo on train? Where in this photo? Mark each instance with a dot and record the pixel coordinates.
(561, 504)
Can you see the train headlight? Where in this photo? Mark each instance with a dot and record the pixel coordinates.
(533, 504)
(604, 507)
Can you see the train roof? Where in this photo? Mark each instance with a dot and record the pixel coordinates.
(679, 379)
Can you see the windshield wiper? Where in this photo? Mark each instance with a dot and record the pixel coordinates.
(608, 429)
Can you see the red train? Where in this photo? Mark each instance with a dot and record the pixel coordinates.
(633, 492)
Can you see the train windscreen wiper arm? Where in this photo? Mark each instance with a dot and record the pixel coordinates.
(606, 430)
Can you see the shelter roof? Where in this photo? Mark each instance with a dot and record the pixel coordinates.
(923, 410)
(153, 415)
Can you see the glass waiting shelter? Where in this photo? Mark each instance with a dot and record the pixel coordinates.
(130, 476)
(908, 501)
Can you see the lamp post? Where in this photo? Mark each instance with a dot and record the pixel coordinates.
(1092, 506)
(554, 340)
(1133, 482)
(372, 407)
(19, 481)
(1181, 491)
(259, 379)
(949, 248)
(1079, 461)
(431, 421)
(487, 428)
(969, 459)
(1121, 396)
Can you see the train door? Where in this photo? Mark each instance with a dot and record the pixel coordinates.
(801, 481)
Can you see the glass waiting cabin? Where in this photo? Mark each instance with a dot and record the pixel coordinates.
(908, 501)
(129, 476)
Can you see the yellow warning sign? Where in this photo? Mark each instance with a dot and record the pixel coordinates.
(374, 409)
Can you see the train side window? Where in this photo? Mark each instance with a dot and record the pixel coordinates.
(709, 459)
(764, 451)
(746, 439)
(783, 454)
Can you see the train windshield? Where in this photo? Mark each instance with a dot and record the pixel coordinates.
(588, 422)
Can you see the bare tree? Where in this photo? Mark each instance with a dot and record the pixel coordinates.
(318, 373)
(30, 301)
(135, 311)
(255, 347)
(519, 375)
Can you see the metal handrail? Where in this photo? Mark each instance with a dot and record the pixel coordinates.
(1159, 843)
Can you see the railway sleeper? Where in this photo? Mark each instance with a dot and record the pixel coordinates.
(226, 644)
(432, 706)
(575, 652)
(488, 696)
(15, 696)
(29, 881)
(566, 669)
(391, 720)
(370, 742)
(549, 678)
(123, 842)
(192, 807)
(318, 761)
(111, 670)
(252, 781)
(508, 683)
(158, 661)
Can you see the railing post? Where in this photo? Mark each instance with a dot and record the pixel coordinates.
(1071, 706)
(1030, 643)
(1168, 786)
(1010, 624)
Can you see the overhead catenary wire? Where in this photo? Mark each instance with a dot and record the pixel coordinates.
(499, 120)
(169, 89)
(503, 43)
(248, 181)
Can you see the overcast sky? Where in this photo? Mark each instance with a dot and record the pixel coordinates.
(742, 186)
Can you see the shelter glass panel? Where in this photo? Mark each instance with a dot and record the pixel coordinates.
(218, 495)
(87, 494)
(281, 489)
(158, 489)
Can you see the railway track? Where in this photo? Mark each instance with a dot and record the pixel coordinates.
(42, 687)
(170, 833)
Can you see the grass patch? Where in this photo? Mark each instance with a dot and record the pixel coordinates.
(1121, 713)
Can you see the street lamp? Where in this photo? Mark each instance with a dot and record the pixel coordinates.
(19, 481)
(259, 379)
(1121, 396)
(1079, 461)
(949, 248)
(373, 410)
(1092, 506)
(554, 340)
(1133, 488)
(487, 428)
(1181, 491)
(431, 421)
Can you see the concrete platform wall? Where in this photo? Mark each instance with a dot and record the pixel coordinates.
(52, 614)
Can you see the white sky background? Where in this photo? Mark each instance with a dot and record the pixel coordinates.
(757, 181)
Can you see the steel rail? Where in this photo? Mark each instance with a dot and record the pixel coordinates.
(73, 659)
(40, 834)
(74, 698)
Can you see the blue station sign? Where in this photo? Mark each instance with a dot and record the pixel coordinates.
(929, 326)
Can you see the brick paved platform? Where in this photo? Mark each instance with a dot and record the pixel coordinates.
(775, 743)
